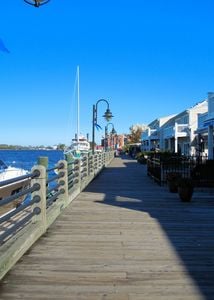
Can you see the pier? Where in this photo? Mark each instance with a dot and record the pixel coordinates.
(123, 237)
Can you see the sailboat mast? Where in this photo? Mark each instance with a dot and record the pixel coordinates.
(78, 106)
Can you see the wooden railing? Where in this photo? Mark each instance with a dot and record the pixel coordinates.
(48, 193)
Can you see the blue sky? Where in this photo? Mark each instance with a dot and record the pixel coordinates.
(148, 58)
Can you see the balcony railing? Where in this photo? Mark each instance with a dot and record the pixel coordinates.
(179, 130)
(149, 133)
(182, 130)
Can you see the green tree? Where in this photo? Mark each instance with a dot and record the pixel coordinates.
(61, 146)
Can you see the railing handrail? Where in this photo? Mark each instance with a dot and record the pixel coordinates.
(19, 178)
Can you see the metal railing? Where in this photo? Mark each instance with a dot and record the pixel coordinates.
(158, 169)
(48, 192)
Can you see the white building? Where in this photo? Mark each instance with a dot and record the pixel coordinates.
(179, 133)
(202, 135)
(209, 122)
(151, 136)
(175, 133)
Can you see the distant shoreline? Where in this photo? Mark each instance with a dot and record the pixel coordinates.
(41, 147)
(30, 149)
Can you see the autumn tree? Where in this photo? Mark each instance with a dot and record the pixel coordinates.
(135, 133)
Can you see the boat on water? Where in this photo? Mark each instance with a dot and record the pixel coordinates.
(80, 145)
(9, 189)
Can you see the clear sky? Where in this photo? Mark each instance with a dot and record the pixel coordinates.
(148, 58)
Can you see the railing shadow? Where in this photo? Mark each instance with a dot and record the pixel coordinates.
(188, 226)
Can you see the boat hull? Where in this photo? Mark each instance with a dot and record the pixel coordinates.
(11, 189)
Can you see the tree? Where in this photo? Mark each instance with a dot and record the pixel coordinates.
(61, 147)
(136, 132)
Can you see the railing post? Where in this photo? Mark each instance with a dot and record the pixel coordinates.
(108, 158)
(98, 161)
(79, 173)
(95, 164)
(43, 161)
(86, 166)
(103, 159)
(41, 180)
(90, 165)
(64, 179)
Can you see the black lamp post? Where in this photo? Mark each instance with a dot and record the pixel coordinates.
(36, 3)
(107, 115)
(200, 148)
(106, 134)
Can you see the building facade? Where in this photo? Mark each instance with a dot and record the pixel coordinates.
(209, 123)
(178, 133)
(151, 137)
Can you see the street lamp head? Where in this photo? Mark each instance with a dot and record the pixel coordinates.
(36, 3)
(113, 131)
(108, 115)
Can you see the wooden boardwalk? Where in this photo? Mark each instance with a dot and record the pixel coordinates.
(123, 238)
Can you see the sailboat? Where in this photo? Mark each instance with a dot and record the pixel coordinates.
(79, 144)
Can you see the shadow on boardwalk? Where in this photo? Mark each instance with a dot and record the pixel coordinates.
(189, 227)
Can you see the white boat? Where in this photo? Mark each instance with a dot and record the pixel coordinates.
(79, 145)
(7, 173)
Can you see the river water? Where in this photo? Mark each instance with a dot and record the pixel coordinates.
(26, 159)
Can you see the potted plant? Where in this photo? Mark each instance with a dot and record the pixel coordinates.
(185, 189)
(172, 181)
(141, 158)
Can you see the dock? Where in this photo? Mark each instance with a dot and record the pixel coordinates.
(124, 237)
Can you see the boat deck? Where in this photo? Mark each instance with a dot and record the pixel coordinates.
(123, 238)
